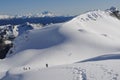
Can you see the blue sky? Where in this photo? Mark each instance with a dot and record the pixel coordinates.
(71, 7)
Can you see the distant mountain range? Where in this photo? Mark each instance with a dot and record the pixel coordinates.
(30, 15)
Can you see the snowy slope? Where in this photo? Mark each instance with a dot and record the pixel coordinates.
(86, 36)
(102, 70)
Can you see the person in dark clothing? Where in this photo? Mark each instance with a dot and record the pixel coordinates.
(46, 65)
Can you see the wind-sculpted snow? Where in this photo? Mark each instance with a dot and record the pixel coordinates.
(85, 37)
(104, 57)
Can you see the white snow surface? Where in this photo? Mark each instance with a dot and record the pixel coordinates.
(89, 35)
(102, 70)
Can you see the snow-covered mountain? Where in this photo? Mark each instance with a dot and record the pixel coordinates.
(26, 27)
(71, 38)
(43, 14)
(30, 15)
(89, 35)
(46, 14)
(5, 17)
(13, 31)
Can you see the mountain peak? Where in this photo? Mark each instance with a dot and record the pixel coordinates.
(113, 9)
(91, 15)
(47, 13)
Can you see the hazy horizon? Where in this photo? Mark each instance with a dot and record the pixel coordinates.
(62, 7)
